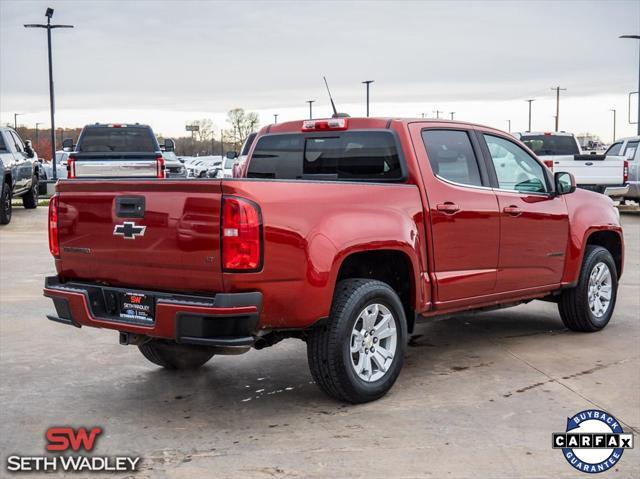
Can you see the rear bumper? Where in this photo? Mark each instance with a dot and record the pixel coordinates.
(218, 320)
(616, 191)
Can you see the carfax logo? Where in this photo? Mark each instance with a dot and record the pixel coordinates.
(593, 441)
(65, 439)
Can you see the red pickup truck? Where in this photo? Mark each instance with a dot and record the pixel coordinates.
(342, 232)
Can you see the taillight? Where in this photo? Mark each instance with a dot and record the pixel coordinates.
(54, 245)
(71, 167)
(548, 164)
(323, 125)
(241, 235)
(160, 168)
(625, 171)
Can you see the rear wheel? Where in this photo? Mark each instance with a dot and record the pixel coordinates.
(356, 356)
(5, 204)
(171, 355)
(589, 306)
(30, 198)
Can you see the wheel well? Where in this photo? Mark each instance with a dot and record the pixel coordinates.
(611, 242)
(389, 266)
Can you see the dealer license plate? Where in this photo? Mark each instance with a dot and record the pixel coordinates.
(136, 308)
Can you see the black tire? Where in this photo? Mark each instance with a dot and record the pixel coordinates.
(574, 303)
(5, 204)
(30, 198)
(328, 345)
(171, 355)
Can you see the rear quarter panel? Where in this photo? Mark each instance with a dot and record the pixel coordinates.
(310, 227)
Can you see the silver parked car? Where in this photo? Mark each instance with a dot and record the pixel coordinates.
(627, 148)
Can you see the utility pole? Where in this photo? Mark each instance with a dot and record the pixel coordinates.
(368, 82)
(310, 102)
(614, 123)
(636, 37)
(437, 112)
(530, 101)
(452, 113)
(558, 90)
(49, 27)
(37, 138)
(275, 118)
(422, 115)
(15, 120)
(509, 122)
(221, 143)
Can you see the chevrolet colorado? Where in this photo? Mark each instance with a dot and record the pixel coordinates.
(342, 232)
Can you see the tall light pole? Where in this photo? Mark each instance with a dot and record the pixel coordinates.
(15, 120)
(49, 27)
(37, 138)
(614, 123)
(422, 115)
(452, 113)
(509, 122)
(558, 90)
(275, 118)
(530, 101)
(636, 37)
(310, 102)
(437, 112)
(368, 82)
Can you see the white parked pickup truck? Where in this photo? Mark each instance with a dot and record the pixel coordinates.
(560, 151)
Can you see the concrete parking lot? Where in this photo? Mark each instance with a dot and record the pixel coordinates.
(479, 396)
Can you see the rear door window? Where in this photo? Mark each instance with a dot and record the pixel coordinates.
(452, 157)
(124, 139)
(3, 146)
(350, 155)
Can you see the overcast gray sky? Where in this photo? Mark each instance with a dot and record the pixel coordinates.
(166, 62)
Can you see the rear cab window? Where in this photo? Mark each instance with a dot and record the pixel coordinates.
(106, 139)
(366, 155)
(551, 145)
(614, 150)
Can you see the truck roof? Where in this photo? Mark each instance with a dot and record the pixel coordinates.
(117, 125)
(544, 133)
(367, 123)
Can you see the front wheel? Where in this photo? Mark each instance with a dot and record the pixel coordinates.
(588, 306)
(30, 198)
(171, 355)
(356, 356)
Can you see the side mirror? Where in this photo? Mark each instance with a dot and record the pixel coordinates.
(213, 173)
(565, 183)
(67, 144)
(28, 148)
(232, 155)
(169, 144)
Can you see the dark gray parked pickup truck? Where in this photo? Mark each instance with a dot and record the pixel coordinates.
(115, 151)
(20, 170)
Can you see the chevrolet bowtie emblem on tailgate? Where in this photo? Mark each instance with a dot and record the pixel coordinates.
(129, 230)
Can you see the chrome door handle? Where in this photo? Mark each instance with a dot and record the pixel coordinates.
(512, 210)
(448, 207)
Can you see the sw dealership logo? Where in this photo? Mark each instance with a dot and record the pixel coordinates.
(67, 439)
(593, 442)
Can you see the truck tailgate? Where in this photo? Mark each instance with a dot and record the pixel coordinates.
(592, 171)
(160, 235)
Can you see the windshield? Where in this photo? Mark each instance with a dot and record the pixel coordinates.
(551, 145)
(228, 162)
(103, 139)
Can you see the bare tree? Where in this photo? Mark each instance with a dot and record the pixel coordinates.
(241, 124)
